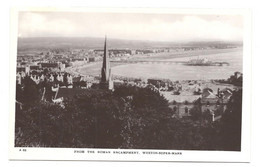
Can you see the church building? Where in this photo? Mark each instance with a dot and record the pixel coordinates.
(106, 76)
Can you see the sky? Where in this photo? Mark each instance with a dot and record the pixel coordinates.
(132, 26)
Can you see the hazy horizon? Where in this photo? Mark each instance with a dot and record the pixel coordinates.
(145, 40)
(131, 26)
(98, 43)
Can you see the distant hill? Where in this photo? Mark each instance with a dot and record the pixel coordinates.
(36, 43)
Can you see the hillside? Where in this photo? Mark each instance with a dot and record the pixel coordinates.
(97, 43)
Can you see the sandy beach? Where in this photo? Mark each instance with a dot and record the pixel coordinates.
(181, 54)
(95, 67)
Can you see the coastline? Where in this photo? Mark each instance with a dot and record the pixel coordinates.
(94, 67)
(164, 56)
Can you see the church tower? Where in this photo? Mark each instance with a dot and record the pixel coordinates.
(106, 81)
(106, 65)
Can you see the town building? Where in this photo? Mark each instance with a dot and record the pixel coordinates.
(25, 69)
(182, 104)
(214, 103)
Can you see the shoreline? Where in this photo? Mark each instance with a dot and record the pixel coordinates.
(182, 54)
(93, 68)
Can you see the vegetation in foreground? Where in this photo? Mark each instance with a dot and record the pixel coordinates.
(129, 117)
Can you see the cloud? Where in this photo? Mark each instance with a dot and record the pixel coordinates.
(33, 24)
(130, 26)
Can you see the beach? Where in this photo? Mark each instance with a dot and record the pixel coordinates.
(173, 72)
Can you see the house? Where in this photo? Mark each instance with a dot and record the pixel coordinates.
(93, 58)
(225, 95)
(78, 82)
(49, 65)
(34, 67)
(60, 78)
(208, 96)
(58, 56)
(69, 79)
(208, 101)
(26, 69)
(215, 104)
(181, 104)
(19, 78)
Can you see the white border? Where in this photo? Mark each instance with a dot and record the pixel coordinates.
(194, 156)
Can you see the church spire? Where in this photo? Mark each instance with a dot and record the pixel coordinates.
(105, 71)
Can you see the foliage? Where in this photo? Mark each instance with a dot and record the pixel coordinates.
(29, 92)
(196, 113)
(38, 125)
(129, 117)
(186, 134)
(144, 114)
(232, 120)
(235, 79)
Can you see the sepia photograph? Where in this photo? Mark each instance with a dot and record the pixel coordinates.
(123, 81)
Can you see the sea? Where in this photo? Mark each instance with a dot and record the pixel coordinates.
(176, 72)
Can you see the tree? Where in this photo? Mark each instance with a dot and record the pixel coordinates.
(196, 113)
(207, 115)
(38, 125)
(30, 91)
(144, 116)
(19, 93)
(129, 117)
(231, 123)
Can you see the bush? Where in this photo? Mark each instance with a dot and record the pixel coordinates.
(129, 117)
